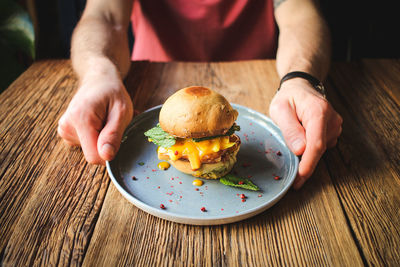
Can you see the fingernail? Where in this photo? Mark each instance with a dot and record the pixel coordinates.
(297, 144)
(108, 150)
(298, 184)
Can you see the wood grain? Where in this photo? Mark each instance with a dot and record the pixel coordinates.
(57, 210)
(285, 235)
(365, 166)
(385, 73)
(48, 211)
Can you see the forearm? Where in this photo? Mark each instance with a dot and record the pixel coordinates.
(304, 41)
(308, 122)
(99, 47)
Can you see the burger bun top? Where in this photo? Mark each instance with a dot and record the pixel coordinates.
(195, 112)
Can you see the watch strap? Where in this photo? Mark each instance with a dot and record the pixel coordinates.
(316, 84)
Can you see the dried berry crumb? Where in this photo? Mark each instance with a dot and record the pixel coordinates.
(196, 189)
(170, 200)
(158, 187)
(277, 177)
(243, 200)
(242, 196)
(162, 206)
(180, 182)
(134, 178)
(153, 170)
(279, 153)
(222, 209)
(260, 195)
(249, 176)
(203, 209)
(176, 152)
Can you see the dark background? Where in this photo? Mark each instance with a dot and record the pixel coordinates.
(360, 29)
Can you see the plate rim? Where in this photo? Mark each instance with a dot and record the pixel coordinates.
(210, 220)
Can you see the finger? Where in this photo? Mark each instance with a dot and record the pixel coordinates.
(67, 132)
(334, 139)
(332, 143)
(88, 136)
(286, 118)
(111, 135)
(71, 144)
(316, 145)
(334, 129)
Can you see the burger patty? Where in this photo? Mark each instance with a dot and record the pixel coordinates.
(221, 155)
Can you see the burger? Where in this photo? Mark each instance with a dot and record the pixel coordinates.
(196, 133)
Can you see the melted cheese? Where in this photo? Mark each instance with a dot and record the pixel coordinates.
(194, 151)
(163, 165)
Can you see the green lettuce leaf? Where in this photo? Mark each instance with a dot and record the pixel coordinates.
(159, 137)
(231, 131)
(233, 180)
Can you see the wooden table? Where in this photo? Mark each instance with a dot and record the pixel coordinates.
(55, 209)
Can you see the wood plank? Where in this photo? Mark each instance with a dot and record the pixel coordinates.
(24, 119)
(247, 80)
(300, 230)
(365, 166)
(305, 228)
(385, 72)
(49, 197)
(225, 78)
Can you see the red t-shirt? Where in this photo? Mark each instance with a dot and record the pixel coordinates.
(203, 30)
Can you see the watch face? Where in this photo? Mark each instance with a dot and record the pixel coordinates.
(321, 89)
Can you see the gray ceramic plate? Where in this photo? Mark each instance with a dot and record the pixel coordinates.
(262, 156)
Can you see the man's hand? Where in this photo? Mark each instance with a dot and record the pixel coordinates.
(308, 122)
(97, 117)
(101, 109)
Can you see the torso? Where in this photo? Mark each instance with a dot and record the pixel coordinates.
(203, 30)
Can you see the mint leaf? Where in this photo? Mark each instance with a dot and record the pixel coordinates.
(159, 137)
(231, 131)
(235, 181)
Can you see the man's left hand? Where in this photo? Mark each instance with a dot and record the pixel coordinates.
(308, 122)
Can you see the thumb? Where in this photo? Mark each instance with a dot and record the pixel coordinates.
(285, 117)
(110, 136)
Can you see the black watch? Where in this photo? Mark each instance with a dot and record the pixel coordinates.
(317, 84)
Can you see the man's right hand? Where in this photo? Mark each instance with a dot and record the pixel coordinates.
(97, 117)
